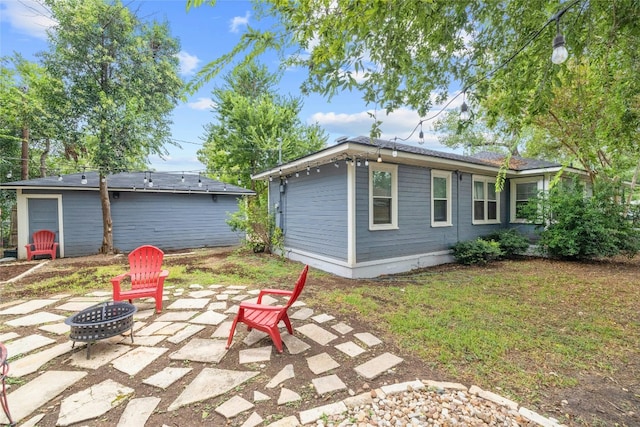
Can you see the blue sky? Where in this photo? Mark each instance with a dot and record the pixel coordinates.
(205, 33)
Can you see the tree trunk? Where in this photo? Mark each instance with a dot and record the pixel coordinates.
(24, 174)
(43, 158)
(107, 232)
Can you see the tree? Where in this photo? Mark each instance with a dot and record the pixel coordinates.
(400, 53)
(255, 128)
(120, 79)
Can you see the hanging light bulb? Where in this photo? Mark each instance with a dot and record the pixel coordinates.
(297, 174)
(394, 153)
(9, 174)
(145, 178)
(308, 169)
(421, 134)
(358, 163)
(366, 162)
(83, 179)
(379, 157)
(318, 169)
(199, 180)
(560, 53)
(59, 177)
(336, 164)
(464, 111)
(182, 178)
(270, 178)
(225, 187)
(239, 182)
(150, 183)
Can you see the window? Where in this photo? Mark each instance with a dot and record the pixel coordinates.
(383, 200)
(521, 191)
(486, 206)
(440, 198)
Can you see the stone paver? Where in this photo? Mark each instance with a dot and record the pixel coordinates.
(138, 412)
(39, 391)
(254, 420)
(314, 414)
(294, 344)
(378, 365)
(209, 383)
(75, 305)
(201, 350)
(368, 339)
(253, 337)
(321, 363)
(322, 318)
(285, 374)
(8, 336)
(260, 397)
(166, 377)
(342, 328)
(55, 328)
(350, 348)
(152, 328)
(29, 364)
(101, 354)
(328, 384)
(92, 402)
(187, 332)
(201, 294)
(222, 331)
(172, 329)
(149, 340)
(177, 316)
(209, 317)
(28, 307)
(137, 359)
(189, 304)
(253, 355)
(302, 314)
(316, 333)
(218, 305)
(288, 396)
(233, 407)
(27, 344)
(291, 421)
(35, 319)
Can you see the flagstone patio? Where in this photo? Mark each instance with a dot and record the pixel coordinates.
(177, 371)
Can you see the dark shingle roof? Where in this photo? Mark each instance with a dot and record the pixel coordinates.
(129, 181)
(485, 158)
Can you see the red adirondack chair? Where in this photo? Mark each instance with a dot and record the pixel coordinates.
(264, 317)
(43, 244)
(146, 274)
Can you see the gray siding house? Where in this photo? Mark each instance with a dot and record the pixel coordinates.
(363, 207)
(170, 211)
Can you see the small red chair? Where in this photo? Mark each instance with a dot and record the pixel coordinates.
(146, 274)
(43, 244)
(265, 318)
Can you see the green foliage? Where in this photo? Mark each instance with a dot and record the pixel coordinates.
(255, 128)
(574, 225)
(258, 226)
(477, 251)
(512, 243)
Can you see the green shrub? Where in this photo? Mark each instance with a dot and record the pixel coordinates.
(477, 251)
(258, 225)
(573, 225)
(512, 243)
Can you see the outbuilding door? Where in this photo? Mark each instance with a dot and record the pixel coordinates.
(43, 215)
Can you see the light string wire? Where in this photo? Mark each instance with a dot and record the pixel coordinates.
(555, 18)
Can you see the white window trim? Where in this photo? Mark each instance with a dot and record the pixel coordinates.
(486, 180)
(540, 184)
(447, 176)
(393, 169)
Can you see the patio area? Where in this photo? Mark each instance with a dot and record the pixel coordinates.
(178, 372)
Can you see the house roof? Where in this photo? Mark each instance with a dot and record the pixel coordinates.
(364, 147)
(132, 181)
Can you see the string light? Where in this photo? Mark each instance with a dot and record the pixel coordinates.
(182, 179)
(307, 169)
(59, 177)
(199, 180)
(150, 181)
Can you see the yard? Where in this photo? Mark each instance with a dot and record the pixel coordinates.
(560, 338)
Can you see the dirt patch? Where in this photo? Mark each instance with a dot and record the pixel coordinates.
(596, 400)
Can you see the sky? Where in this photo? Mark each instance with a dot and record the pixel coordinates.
(205, 33)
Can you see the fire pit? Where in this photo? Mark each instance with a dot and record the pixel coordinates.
(101, 321)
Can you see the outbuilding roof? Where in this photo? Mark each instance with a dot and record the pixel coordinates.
(160, 182)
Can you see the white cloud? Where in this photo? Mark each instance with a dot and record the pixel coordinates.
(238, 21)
(27, 17)
(202, 104)
(188, 63)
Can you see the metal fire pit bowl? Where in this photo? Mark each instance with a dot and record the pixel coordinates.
(104, 320)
